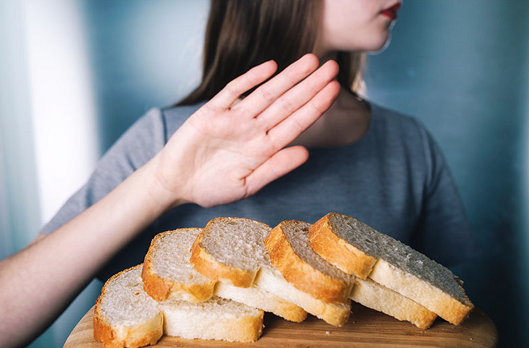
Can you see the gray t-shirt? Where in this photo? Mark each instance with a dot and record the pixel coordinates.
(394, 179)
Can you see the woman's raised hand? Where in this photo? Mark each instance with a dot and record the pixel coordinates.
(231, 148)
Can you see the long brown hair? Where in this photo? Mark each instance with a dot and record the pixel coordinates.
(241, 34)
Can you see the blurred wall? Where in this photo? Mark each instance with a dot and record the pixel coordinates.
(18, 188)
(144, 54)
(461, 67)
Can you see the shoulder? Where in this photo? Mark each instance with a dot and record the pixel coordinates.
(406, 140)
(399, 130)
(396, 122)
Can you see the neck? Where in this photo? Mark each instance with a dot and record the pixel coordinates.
(346, 122)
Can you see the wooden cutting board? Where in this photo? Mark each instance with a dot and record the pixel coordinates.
(365, 328)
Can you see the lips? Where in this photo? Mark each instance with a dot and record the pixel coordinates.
(391, 12)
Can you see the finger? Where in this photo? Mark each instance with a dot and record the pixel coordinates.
(275, 167)
(266, 94)
(235, 88)
(291, 127)
(299, 95)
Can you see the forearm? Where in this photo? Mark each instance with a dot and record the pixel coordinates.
(38, 283)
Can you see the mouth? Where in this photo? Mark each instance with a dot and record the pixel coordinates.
(391, 12)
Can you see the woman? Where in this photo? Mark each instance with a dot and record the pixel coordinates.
(239, 146)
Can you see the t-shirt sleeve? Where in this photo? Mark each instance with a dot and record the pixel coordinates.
(443, 232)
(133, 149)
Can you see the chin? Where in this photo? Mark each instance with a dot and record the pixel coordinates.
(379, 44)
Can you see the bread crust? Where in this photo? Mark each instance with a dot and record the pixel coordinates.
(162, 289)
(455, 312)
(254, 329)
(111, 337)
(206, 265)
(290, 312)
(132, 337)
(299, 273)
(337, 251)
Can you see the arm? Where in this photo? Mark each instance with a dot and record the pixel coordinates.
(38, 283)
(443, 232)
(238, 147)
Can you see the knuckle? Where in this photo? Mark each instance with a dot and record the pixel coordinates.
(207, 108)
(292, 77)
(297, 126)
(266, 94)
(232, 88)
(249, 77)
(240, 110)
(318, 106)
(287, 105)
(312, 87)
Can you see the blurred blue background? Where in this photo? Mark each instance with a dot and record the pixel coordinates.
(75, 74)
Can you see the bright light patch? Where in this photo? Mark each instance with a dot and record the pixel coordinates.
(62, 101)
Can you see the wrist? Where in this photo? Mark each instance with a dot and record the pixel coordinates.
(160, 193)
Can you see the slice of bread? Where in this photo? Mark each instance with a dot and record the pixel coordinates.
(231, 251)
(290, 252)
(307, 269)
(270, 279)
(217, 319)
(313, 283)
(377, 297)
(125, 316)
(167, 273)
(260, 298)
(367, 253)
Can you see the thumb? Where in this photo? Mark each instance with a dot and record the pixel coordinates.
(279, 164)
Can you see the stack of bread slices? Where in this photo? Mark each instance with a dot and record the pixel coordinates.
(217, 282)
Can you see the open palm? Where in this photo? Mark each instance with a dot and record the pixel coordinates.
(230, 148)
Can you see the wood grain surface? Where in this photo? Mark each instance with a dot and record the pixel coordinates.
(365, 328)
